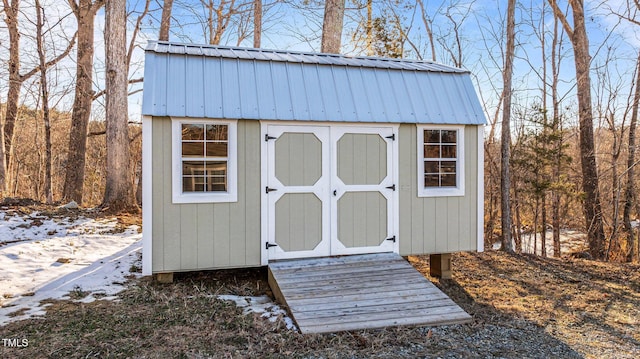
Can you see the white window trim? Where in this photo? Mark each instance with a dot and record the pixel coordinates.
(231, 195)
(441, 191)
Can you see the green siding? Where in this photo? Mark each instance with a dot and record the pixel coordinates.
(437, 224)
(206, 235)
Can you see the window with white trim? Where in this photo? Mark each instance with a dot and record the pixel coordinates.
(440, 161)
(204, 161)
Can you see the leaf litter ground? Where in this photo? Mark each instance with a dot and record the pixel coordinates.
(523, 306)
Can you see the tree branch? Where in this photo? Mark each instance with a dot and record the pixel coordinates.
(563, 19)
(136, 29)
(64, 54)
(102, 92)
(74, 7)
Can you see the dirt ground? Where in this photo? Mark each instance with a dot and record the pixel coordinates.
(522, 307)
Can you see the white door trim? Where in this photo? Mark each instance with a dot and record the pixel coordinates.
(392, 178)
(334, 129)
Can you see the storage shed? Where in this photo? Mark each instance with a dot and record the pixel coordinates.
(253, 155)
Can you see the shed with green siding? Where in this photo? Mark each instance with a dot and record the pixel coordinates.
(253, 155)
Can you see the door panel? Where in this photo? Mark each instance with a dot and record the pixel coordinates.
(298, 222)
(297, 191)
(362, 158)
(330, 190)
(363, 205)
(362, 219)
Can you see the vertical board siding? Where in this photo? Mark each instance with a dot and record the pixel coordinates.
(436, 224)
(157, 188)
(206, 235)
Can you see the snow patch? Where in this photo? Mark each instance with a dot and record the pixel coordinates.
(261, 305)
(61, 258)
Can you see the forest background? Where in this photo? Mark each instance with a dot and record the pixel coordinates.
(563, 78)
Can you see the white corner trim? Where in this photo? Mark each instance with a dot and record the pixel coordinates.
(147, 191)
(481, 188)
(177, 196)
(264, 205)
(460, 163)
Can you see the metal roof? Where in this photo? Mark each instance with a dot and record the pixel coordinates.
(185, 80)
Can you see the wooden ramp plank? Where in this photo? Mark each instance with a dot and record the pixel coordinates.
(360, 292)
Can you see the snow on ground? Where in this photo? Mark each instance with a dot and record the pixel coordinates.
(570, 242)
(261, 305)
(82, 259)
(51, 258)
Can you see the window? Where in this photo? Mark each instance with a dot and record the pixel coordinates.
(204, 161)
(440, 161)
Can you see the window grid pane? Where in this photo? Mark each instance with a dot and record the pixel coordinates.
(200, 145)
(440, 158)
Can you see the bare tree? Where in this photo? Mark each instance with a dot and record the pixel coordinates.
(119, 194)
(257, 23)
(85, 12)
(16, 79)
(45, 100)
(505, 187)
(428, 25)
(332, 26)
(590, 182)
(630, 196)
(165, 22)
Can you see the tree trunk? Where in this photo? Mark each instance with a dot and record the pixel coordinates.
(535, 226)
(11, 11)
(544, 225)
(119, 194)
(45, 101)
(629, 195)
(427, 25)
(85, 13)
(590, 182)
(332, 26)
(518, 227)
(556, 128)
(257, 23)
(165, 22)
(505, 151)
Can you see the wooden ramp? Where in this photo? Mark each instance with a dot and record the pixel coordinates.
(359, 292)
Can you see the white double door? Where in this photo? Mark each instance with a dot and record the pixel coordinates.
(329, 190)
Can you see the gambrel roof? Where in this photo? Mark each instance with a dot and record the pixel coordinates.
(185, 80)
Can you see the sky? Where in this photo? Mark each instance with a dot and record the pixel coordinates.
(289, 28)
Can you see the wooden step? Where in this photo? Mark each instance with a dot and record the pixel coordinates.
(360, 292)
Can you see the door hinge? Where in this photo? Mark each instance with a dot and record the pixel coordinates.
(392, 137)
(269, 245)
(267, 138)
(392, 187)
(392, 239)
(267, 190)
